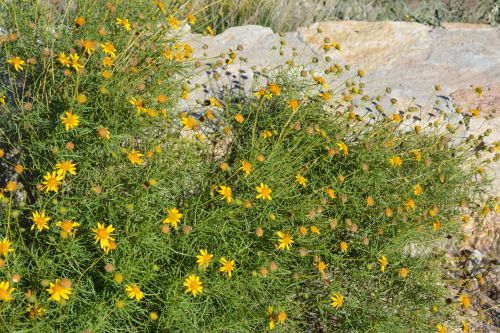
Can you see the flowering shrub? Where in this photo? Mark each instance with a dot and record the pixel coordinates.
(118, 216)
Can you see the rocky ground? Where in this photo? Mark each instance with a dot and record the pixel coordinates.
(410, 58)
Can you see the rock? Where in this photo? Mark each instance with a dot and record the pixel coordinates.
(412, 57)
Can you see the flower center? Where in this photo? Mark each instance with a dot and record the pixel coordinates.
(102, 234)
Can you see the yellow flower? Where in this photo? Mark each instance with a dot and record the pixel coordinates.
(17, 62)
(214, 102)
(282, 317)
(63, 59)
(204, 258)
(109, 48)
(134, 291)
(66, 167)
(246, 167)
(135, 157)
(301, 180)
(226, 193)
(321, 266)
(370, 201)
(410, 204)
(226, 266)
(436, 225)
(11, 186)
(70, 120)
(395, 161)
(59, 289)
(104, 236)
(403, 272)
(67, 228)
(173, 22)
(193, 285)
(239, 118)
(2, 100)
(321, 80)
(108, 62)
(343, 148)
(441, 328)
(293, 104)
(75, 62)
(285, 241)
(266, 134)
(331, 193)
(337, 301)
(80, 21)
(343, 246)
(173, 217)
(475, 112)
(326, 96)
(139, 104)
(51, 181)
(315, 230)
(88, 46)
(417, 189)
(191, 19)
(123, 22)
(264, 192)
(5, 247)
(275, 89)
(396, 117)
(188, 122)
(383, 263)
(6, 291)
(465, 326)
(464, 300)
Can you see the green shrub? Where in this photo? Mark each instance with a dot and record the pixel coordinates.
(359, 210)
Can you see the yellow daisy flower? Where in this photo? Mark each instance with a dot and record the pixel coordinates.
(226, 266)
(246, 167)
(264, 192)
(395, 161)
(383, 263)
(337, 301)
(226, 193)
(75, 62)
(135, 157)
(343, 148)
(301, 180)
(123, 22)
(204, 258)
(193, 285)
(65, 167)
(5, 247)
(104, 235)
(64, 60)
(285, 240)
(70, 120)
(51, 181)
(40, 220)
(17, 62)
(67, 228)
(109, 48)
(173, 217)
(6, 291)
(134, 291)
(60, 289)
